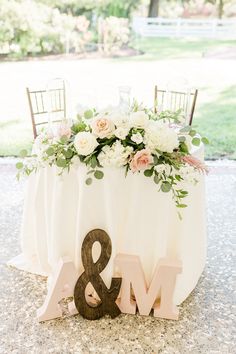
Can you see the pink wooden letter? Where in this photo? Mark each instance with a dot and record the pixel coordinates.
(162, 285)
(62, 286)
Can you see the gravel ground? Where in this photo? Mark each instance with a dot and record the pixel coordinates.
(207, 317)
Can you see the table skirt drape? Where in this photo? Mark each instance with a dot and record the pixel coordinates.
(141, 220)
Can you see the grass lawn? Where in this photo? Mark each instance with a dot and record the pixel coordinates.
(216, 107)
(217, 120)
(167, 48)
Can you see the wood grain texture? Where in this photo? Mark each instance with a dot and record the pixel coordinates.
(107, 305)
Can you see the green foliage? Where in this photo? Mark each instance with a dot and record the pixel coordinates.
(98, 174)
(104, 8)
(196, 141)
(61, 162)
(89, 181)
(88, 114)
(23, 153)
(165, 187)
(178, 48)
(50, 151)
(148, 173)
(118, 8)
(31, 27)
(113, 32)
(19, 165)
(47, 26)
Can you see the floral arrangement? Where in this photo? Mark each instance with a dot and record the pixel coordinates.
(138, 141)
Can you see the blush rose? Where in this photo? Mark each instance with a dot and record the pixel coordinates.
(141, 160)
(103, 127)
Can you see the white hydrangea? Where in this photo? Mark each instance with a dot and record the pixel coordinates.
(163, 168)
(117, 155)
(188, 173)
(41, 144)
(160, 136)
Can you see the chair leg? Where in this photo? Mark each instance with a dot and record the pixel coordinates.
(31, 113)
(193, 107)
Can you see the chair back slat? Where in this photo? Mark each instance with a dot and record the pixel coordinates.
(174, 100)
(44, 102)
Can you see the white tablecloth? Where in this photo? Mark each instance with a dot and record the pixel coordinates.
(140, 220)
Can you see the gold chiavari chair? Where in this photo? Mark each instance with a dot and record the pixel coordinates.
(48, 103)
(186, 101)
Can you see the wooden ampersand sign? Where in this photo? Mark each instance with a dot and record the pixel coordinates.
(91, 275)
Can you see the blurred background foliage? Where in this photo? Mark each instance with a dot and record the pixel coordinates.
(38, 27)
(35, 28)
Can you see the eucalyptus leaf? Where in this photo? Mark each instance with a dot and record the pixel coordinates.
(180, 216)
(165, 187)
(185, 129)
(19, 165)
(148, 173)
(50, 151)
(88, 114)
(93, 162)
(68, 153)
(192, 132)
(205, 141)
(89, 181)
(98, 174)
(184, 147)
(64, 139)
(196, 141)
(61, 162)
(181, 206)
(23, 153)
(182, 138)
(156, 179)
(155, 160)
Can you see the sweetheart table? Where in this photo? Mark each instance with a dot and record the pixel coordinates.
(141, 220)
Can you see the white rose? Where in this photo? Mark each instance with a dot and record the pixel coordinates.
(103, 127)
(85, 143)
(139, 119)
(121, 132)
(137, 138)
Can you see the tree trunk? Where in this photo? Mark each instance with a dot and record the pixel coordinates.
(153, 10)
(220, 9)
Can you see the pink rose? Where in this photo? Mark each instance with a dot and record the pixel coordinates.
(64, 130)
(141, 160)
(102, 127)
